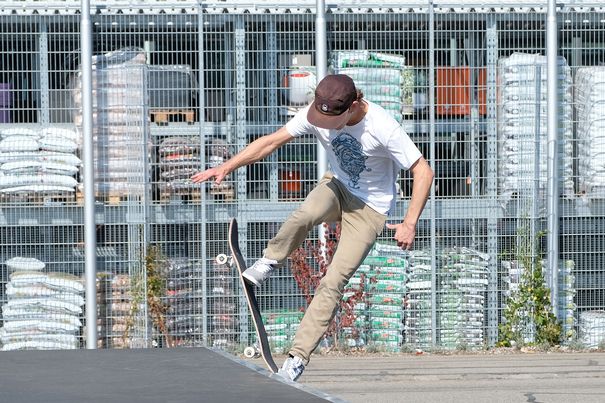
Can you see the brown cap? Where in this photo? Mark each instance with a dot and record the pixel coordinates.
(333, 97)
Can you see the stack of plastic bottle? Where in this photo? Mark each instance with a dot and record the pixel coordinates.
(418, 305)
(461, 299)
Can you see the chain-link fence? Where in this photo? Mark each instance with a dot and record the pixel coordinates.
(181, 85)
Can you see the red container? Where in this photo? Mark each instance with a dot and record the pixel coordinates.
(454, 91)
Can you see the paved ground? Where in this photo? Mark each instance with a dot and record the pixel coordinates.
(519, 377)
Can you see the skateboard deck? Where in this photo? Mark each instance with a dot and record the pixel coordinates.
(240, 263)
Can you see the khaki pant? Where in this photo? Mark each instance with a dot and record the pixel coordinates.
(328, 202)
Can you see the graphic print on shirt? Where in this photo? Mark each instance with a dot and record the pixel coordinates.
(350, 157)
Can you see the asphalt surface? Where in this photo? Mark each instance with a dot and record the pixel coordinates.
(509, 377)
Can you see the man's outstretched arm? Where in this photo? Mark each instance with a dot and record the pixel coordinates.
(255, 151)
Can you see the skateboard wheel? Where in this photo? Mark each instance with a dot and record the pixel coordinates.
(251, 352)
(222, 259)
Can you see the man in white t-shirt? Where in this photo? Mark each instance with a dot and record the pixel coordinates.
(366, 149)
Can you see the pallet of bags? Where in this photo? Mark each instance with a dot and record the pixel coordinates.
(386, 290)
(185, 313)
(590, 112)
(43, 310)
(178, 159)
(522, 124)
(383, 78)
(38, 163)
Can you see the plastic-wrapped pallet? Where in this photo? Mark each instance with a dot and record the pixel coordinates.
(592, 329)
(178, 159)
(120, 121)
(281, 327)
(120, 331)
(43, 310)
(522, 124)
(384, 79)
(103, 285)
(462, 289)
(590, 112)
(567, 293)
(185, 313)
(43, 161)
(418, 305)
(222, 306)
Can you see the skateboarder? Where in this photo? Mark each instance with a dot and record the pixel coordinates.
(366, 148)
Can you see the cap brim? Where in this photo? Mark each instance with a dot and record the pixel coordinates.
(318, 119)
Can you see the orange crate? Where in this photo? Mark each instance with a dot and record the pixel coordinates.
(453, 91)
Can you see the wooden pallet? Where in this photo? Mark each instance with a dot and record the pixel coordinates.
(112, 199)
(179, 196)
(224, 191)
(39, 199)
(164, 116)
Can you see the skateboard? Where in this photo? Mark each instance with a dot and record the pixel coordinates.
(262, 343)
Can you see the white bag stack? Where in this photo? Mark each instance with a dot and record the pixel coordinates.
(41, 161)
(522, 125)
(43, 310)
(590, 113)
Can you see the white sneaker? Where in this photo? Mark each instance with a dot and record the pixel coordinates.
(292, 369)
(260, 271)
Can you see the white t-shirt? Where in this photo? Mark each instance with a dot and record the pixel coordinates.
(366, 157)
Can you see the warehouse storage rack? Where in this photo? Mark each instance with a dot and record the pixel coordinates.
(230, 61)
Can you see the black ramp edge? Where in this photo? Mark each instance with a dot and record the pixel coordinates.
(138, 375)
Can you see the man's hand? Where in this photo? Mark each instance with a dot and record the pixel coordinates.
(218, 173)
(404, 234)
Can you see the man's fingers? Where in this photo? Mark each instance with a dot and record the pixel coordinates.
(204, 176)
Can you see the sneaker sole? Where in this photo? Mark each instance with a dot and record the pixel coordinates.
(250, 280)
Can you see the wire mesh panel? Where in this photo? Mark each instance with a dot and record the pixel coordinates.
(42, 294)
(582, 301)
(182, 87)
